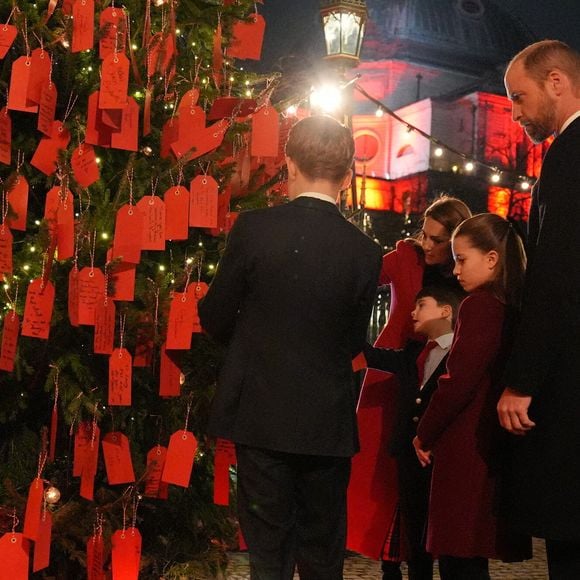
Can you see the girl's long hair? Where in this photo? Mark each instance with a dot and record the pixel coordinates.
(487, 232)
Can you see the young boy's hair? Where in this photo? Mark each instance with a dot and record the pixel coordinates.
(443, 296)
(322, 148)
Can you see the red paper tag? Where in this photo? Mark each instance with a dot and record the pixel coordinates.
(114, 81)
(33, 509)
(180, 323)
(5, 250)
(152, 208)
(217, 55)
(197, 292)
(97, 133)
(112, 31)
(169, 374)
(223, 211)
(120, 375)
(8, 34)
(42, 544)
(95, 558)
(18, 90)
(128, 228)
(83, 14)
(225, 456)
(18, 200)
(202, 142)
(126, 554)
(14, 555)
(46, 155)
(247, 38)
(265, 132)
(127, 137)
(91, 284)
(104, 340)
(83, 437)
(203, 202)
(5, 135)
(176, 213)
(155, 462)
(123, 281)
(84, 165)
(73, 297)
(65, 228)
(10, 332)
(117, 455)
(180, 457)
(38, 309)
(90, 462)
(39, 75)
(191, 116)
(169, 135)
(47, 108)
(145, 342)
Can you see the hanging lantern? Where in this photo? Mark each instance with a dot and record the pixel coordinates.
(344, 23)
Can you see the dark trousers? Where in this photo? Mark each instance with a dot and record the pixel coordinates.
(451, 568)
(563, 560)
(292, 511)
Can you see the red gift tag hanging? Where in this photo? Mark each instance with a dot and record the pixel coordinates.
(176, 213)
(128, 234)
(127, 137)
(104, 339)
(18, 201)
(217, 55)
(96, 556)
(82, 439)
(18, 88)
(43, 540)
(41, 65)
(14, 555)
(155, 463)
(117, 456)
(73, 296)
(123, 280)
(180, 458)
(203, 202)
(197, 291)
(84, 165)
(8, 34)
(45, 157)
(170, 373)
(152, 209)
(33, 509)
(126, 554)
(10, 331)
(265, 132)
(247, 38)
(5, 136)
(120, 377)
(83, 18)
(90, 460)
(97, 133)
(47, 108)
(169, 135)
(180, 323)
(91, 284)
(204, 141)
(114, 82)
(6, 240)
(112, 31)
(38, 309)
(225, 456)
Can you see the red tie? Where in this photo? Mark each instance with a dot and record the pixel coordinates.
(422, 359)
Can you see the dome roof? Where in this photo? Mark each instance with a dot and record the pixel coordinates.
(473, 35)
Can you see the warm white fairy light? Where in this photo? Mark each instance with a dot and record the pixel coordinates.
(161, 268)
(104, 236)
(525, 185)
(291, 110)
(379, 113)
(469, 166)
(438, 152)
(495, 178)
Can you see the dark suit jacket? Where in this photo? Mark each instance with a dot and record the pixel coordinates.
(412, 401)
(545, 360)
(292, 295)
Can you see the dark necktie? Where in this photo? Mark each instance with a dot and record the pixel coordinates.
(422, 359)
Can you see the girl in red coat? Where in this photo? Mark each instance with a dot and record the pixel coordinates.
(459, 429)
(373, 526)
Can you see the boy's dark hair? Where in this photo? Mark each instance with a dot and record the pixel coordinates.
(443, 296)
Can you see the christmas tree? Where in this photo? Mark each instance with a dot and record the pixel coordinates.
(130, 137)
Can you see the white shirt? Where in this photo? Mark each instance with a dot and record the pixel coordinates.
(321, 196)
(436, 355)
(569, 120)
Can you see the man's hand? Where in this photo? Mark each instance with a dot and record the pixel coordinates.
(424, 457)
(512, 410)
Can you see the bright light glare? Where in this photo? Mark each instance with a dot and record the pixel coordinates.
(327, 98)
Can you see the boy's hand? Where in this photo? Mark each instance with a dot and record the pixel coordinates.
(424, 457)
(512, 410)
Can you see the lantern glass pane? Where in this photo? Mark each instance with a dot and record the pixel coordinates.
(350, 27)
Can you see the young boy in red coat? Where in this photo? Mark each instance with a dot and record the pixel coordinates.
(418, 367)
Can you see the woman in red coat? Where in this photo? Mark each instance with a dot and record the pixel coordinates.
(460, 426)
(373, 527)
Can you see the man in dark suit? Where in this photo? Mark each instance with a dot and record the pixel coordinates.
(418, 367)
(542, 403)
(292, 296)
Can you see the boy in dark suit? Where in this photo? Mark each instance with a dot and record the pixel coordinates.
(418, 366)
(292, 297)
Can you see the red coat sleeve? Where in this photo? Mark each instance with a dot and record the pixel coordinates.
(475, 347)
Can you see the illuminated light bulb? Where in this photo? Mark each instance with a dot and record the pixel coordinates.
(495, 178)
(134, 46)
(177, 31)
(247, 83)
(291, 110)
(231, 79)
(6, 287)
(248, 93)
(37, 222)
(98, 159)
(525, 185)
(328, 98)
(189, 261)
(161, 268)
(200, 244)
(210, 266)
(469, 166)
(193, 43)
(33, 248)
(26, 267)
(438, 152)
(104, 236)
(379, 113)
(454, 168)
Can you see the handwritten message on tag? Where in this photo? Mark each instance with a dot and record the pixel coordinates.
(10, 331)
(120, 377)
(38, 309)
(117, 456)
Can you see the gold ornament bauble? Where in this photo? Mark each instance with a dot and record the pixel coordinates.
(52, 495)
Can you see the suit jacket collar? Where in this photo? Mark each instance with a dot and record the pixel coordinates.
(316, 204)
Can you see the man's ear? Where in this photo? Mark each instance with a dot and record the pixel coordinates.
(291, 168)
(346, 181)
(557, 82)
